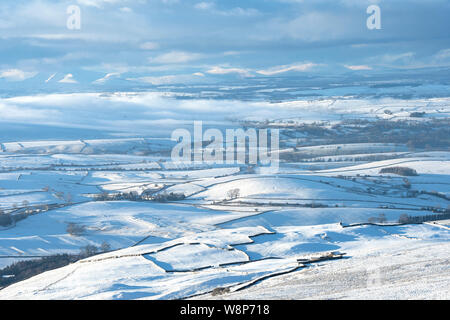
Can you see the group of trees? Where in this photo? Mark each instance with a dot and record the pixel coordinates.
(91, 250)
(67, 198)
(5, 219)
(402, 171)
(26, 269)
(145, 196)
(431, 134)
(17, 214)
(233, 194)
(165, 197)
(417, 114)
(75, 229)
(23, 270)
(380, 219)
(404, 218)
(131, 196)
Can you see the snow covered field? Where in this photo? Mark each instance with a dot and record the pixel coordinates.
(379, 262)
(324, 226)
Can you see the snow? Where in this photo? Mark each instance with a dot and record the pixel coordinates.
(186, 249)
(191, 257)
(406, 269)
(399, 252)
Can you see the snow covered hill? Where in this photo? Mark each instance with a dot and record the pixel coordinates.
(329, 223)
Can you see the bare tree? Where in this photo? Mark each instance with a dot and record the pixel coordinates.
(372, 220)
(233, 194)
(75, 230)
(404, 218)
(69, 198)
(407, 183)
(105, 247)
(88, 251)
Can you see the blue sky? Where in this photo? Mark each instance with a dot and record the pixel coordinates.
(125, 43)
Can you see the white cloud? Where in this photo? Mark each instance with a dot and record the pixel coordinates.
(93, 37)
(107, 77)
(348, 3)
(358, 68)
(98, 3)
(409, 60)
(237, 11)
(50, 78)
(68, 78)
(69, 57)
(221, 71)
(126, 9)
(204, 5)
(161, 80)
(398, 58)
(267, 72)
(231, 53)
(176, 57)
(442, 55)
(47, 20)
(286, 68)
(149, 45)
(312, 26)
(155, 80)
(16, 75)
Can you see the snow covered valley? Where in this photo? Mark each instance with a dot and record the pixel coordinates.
(337, 220)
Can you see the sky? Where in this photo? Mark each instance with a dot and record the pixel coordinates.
(126, 43)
